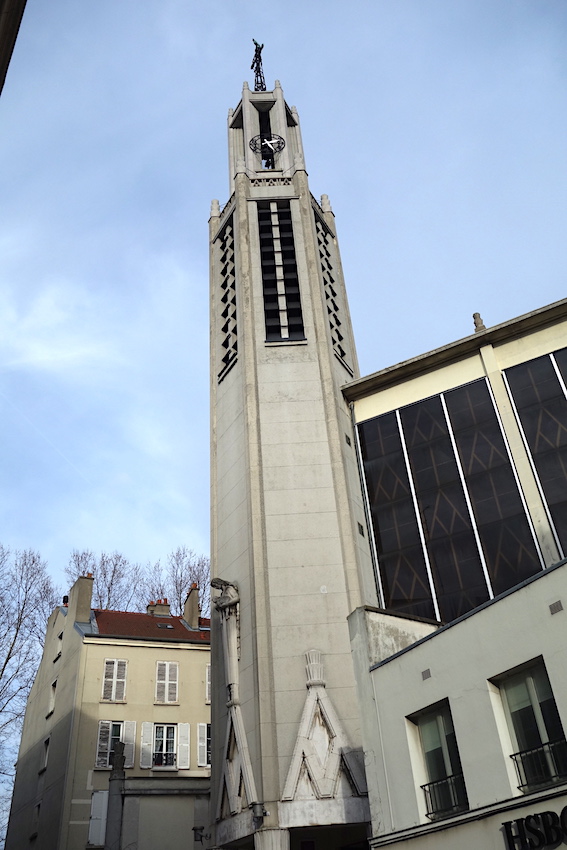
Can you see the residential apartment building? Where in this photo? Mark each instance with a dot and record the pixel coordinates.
(108, 676)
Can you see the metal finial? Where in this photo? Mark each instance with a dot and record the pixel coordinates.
(256, 66)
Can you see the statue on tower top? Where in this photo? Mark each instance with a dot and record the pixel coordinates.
(256, 66)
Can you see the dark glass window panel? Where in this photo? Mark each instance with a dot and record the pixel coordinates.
(561, 360)
(542, 408)
(508, 545)
(470, 405)
(533, 382)
(509, 551)
(395, 525)
(405, 583)
(423, 422)
(481, 447)
(453, 552)
(379, 437)
(457, 573)
(444, 511)
(401, 560)
(388, 477)
(433, 464)
(494, 495)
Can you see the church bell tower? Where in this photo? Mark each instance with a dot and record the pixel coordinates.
(288, 527)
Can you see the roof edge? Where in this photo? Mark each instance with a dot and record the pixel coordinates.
(406, 369)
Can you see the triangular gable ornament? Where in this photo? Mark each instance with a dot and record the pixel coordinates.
(322, 751)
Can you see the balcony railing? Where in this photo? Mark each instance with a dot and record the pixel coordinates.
(541, 766)
(164, 760)
(446, 797)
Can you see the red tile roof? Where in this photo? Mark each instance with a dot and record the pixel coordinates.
(149, 626)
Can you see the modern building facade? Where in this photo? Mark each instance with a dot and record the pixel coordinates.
(107, 677)
(464, 457)
(287, 515)
(461, 668)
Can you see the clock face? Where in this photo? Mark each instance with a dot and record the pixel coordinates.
(267, 145)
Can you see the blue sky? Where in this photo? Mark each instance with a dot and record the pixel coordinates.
(437, 128)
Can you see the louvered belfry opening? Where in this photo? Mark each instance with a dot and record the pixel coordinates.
(229, 338)
(282, 302)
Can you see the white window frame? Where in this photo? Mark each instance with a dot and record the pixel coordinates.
(167, 682)
(182, 748)
(208, 685)
(104, 737)
(203, 744)
(115, 672)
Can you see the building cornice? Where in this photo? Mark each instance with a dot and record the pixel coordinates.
(121, 640)
(455, 351)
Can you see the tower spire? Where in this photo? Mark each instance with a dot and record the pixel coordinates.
(256, 66)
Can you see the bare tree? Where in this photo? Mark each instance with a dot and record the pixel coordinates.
(27, 597)
(183, 568)
(117, 581)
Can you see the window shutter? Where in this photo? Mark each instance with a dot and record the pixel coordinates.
(208, 685)
(172, 683)
(97, 825)
(108, 679)
(114, 685)
(147, 744)
(129, 738)
(183, 750)
(160, 681)
(120, 685)
(202, 745)
(103, 743)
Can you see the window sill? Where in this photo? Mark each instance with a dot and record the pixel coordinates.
(164, 769)
(166, 703)
(113, 701)
(273, 343)
(42, 770)
(49, 713)
(57, 657)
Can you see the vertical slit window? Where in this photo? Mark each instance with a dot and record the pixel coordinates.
(227, 299)
(325, 245)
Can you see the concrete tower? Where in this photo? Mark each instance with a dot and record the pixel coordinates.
(289, 531)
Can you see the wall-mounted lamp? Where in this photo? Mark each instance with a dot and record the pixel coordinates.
(199, 834)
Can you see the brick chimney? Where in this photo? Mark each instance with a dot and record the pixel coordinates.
(159, 608)
(191, 607)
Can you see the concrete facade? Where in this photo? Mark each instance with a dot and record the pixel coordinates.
(409, 669)
(287, 514)
(82, 700)
(465, 661)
